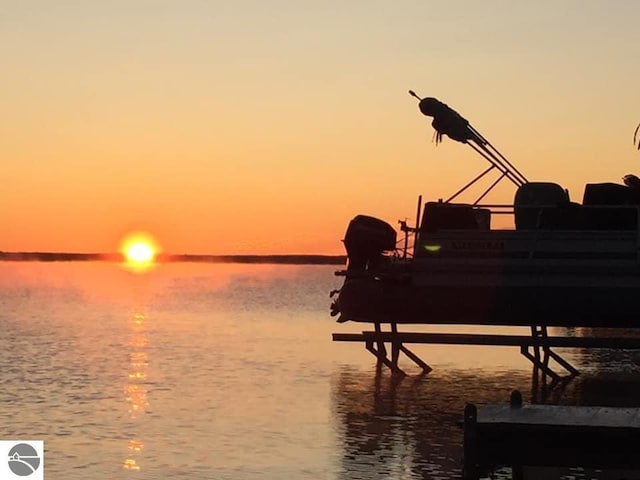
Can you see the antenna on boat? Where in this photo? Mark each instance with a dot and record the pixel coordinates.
(447, 121)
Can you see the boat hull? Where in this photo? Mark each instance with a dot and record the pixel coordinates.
(499, 277)
(390, 301)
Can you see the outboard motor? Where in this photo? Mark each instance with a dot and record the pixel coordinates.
(366, 239)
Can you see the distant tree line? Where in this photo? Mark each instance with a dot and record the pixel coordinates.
(165, 258)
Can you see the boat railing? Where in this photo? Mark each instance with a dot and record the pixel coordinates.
(406, 246)
(549, 218)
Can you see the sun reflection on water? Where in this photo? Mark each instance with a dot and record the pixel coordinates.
(135, 390)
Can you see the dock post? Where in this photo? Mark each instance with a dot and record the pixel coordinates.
(539, 332)
(417, 360)
(469, 455)
(382, 350)
(542, 353)
(395, 346)
(515, 401)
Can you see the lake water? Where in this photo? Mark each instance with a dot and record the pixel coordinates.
(219, 371)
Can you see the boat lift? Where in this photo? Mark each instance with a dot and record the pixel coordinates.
(537, 347)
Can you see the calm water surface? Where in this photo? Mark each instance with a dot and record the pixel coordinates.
(228, 372)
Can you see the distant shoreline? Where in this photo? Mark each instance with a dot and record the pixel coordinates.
(181, 258)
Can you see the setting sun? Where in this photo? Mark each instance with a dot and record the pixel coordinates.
(139, 251)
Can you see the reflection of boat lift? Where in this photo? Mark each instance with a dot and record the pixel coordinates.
(536, 347)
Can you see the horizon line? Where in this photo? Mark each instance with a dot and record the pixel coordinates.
(290, 259)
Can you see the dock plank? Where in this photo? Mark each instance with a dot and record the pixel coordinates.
(549, 436)
(557, 415)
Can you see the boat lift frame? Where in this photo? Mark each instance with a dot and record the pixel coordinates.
(536, 347)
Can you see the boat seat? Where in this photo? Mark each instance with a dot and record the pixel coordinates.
(610, 194)
(454, 216)
(588, 217)
(617, 204)
(532, 198)
(623, 217)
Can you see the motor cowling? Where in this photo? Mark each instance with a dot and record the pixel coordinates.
(367, 238)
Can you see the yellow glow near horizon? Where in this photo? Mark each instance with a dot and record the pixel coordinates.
(139, 250)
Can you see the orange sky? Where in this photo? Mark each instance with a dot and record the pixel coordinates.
(263, 127)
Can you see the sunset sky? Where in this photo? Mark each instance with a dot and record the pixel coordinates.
(262, 127)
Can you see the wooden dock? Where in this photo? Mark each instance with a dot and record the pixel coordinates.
(524, 436)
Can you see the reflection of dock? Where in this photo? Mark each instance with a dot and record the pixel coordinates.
(549, 435)
(410, 428)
